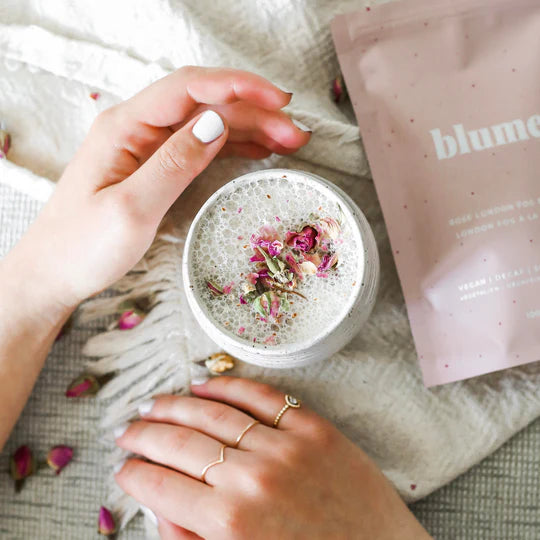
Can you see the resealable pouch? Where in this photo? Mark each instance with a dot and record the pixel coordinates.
(447, 97)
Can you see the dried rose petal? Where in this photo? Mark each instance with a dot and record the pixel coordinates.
(130, 319)
(328, 261)
(219, 363)
(228, 288)
(305, 240)
(58, 457)
(241, 330)
(5, 142)
(339, 91)
(214, 289)
(22, 463)
(267, 238)
(242, 299)
(106, 523)
(83, 386)
(293, 265)
(95, 95)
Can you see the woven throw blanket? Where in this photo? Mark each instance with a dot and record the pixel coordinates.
(53, 54)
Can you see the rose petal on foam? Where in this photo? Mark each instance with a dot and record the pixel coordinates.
(214, 289)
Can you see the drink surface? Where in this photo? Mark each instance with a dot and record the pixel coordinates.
(319, 285)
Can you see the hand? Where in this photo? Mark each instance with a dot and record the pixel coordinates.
(137, 159)
(302, 480)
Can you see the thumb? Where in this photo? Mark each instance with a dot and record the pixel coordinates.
(161, 179)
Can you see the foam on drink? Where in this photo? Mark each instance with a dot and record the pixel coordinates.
(221, 251)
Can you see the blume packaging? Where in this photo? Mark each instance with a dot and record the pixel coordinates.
(447, 96)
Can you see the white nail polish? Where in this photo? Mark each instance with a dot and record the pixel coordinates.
(197, 381)
(146, 406)
(301, 126)
(118, 466)
(149, 514)
(208, 127)
(120, 430)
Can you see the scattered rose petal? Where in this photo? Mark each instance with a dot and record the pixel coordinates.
(277, 219)
(339, 90)
(240, 210)
(106, 522)
(270, 340)
(219, 363)
(5, 142)
(22, 465)
(242, 299)
(58, 457)
(95, 95)
(328, 261)
(83, 386)
(228, 288)
(241, 330)
(130, 319)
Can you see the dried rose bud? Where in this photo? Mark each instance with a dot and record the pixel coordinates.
(58, 457)
(83, 386)
(106, 523)
(305, 240)
(22, 465)
(130, 319)
(5, 142)
(219, 363)
(339, 91)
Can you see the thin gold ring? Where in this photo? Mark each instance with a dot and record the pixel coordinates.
(244, 431)
(290, 401)
(217, 462)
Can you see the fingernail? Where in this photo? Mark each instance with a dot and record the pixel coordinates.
(301, 126)
(286, 90)
(197, 381)
(149, 514)
(208, 127)
(120, 430)
(146, 406)
(118, 466)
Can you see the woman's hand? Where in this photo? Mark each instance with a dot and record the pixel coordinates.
(302, 480)
(137, 159)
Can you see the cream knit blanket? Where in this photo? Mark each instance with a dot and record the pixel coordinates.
(54, 53)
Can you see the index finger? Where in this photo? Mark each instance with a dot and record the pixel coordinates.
(171, 99)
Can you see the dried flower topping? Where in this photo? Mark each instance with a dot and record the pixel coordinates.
(5, 142)
(219, 363)
(106, 522)
(58, 457)
(279, 263)
(22, 465)
(95, 95)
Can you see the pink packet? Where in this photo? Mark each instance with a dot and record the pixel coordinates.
(447, 96)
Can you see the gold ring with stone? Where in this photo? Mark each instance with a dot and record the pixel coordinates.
(290, 401)
(216, 462)
(244, 431)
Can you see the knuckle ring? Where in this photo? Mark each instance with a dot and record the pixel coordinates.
(244, 431)
(290, 402)
(216, 462)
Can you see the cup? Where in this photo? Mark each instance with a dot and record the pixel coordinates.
(352, 315)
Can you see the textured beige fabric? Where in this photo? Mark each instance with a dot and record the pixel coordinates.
(373, 389)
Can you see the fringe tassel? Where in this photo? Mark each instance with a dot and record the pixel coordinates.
(155, 357)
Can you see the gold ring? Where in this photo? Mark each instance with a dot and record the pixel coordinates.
(245, 430)
(217, 462)
(289, 402)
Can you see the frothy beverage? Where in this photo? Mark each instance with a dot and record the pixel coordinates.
(275, 261)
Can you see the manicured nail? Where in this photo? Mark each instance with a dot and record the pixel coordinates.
(197, 381)
(301, 126)
(120, 430)
(285, 90)
(149, 514)
(146, 406)
(208, 127)
(118, 466)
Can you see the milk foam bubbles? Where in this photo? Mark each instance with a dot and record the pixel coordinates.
(221, 250)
